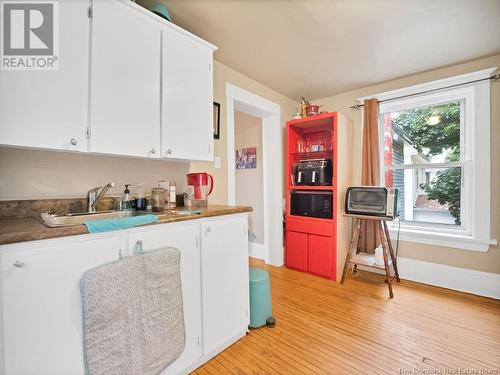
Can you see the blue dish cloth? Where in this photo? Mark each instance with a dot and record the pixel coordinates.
(106, 225)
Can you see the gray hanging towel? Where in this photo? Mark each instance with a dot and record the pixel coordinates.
(133, 319)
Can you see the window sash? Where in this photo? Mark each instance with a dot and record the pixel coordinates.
(450, 164)
(434, 99)
(463, 228)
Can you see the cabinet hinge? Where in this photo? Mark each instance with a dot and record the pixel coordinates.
(209, 147)
(89, 132)
(209, 67)
(90, 12)
(198, 341)
(197, 242)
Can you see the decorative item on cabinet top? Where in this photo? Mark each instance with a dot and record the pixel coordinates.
(162, 11)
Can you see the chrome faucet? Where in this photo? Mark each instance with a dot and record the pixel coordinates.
(94, 195)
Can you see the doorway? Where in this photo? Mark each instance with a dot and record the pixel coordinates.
(269, 245)
(249, 187)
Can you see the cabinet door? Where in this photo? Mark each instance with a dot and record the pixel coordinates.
(185, 238)
(187, 105)
(125, 99)
(321, 259)
(41, 306)
(48, 108)
(224, 264)
(296, 250)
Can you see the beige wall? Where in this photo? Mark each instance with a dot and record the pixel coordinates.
(223, 75)
(249, 183)
(489, 261)
(35, 174)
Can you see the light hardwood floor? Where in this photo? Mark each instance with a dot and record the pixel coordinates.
(325, 328)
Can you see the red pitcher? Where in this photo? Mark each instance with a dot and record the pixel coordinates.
(200, 184)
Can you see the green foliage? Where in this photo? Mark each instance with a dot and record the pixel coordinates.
(446, 190)
(430, 140)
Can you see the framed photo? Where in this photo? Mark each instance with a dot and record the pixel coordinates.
(246, 158)
(216, 120)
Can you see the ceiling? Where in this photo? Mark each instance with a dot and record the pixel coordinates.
(319, 48)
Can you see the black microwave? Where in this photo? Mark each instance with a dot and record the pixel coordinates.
(312, 204)
(372, 201)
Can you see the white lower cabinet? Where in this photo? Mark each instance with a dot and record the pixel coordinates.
(41, 308)
(184, 238)
(224, 261)
(40, 305)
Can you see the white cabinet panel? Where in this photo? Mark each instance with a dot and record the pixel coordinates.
(41, 309)
(185, 238)
(48, 109)
(126, 65)
(224, 260)
(187, 98)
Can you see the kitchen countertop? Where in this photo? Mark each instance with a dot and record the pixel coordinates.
(21, 229)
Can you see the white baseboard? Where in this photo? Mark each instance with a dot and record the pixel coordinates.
(257, 250)
(462, 279)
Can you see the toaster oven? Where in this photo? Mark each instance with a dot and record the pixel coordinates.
(372, 201)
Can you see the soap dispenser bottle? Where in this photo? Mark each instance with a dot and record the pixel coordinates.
(126, 203)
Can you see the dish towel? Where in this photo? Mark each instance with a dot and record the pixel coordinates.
(106, 225)
(132, 312)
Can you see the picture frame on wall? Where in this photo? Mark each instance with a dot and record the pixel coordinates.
(216, 124)
(246, 158)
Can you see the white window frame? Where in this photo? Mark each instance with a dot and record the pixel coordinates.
(474, 233)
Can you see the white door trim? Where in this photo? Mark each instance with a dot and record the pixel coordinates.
(241, 100)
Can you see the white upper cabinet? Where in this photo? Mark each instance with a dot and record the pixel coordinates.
(125, 85)
(48, 108)
(187, 131)
(129, 83)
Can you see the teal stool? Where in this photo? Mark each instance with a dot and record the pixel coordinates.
(260, 299)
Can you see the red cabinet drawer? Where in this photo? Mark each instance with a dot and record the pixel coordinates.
(321, 256)
(296, 250)
(322, 227)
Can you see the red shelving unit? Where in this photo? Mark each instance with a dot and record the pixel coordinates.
(312, 244)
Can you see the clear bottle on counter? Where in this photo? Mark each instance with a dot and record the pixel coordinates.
(140, 200)
(172, 195)
(157, 199)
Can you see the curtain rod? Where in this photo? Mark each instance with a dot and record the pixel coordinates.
(495, 77)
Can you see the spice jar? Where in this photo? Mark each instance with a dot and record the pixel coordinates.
(158, 199)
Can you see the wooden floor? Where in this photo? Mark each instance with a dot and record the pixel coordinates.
(325, 328)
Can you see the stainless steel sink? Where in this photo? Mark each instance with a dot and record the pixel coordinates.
(69, 219)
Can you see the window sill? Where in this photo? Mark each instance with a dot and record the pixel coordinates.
(457, 241)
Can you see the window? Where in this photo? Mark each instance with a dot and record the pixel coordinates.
(435, 148)
(423, 159)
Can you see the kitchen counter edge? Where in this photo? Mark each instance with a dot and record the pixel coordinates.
(24, 229)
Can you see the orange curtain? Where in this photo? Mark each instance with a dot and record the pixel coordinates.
(370, 170)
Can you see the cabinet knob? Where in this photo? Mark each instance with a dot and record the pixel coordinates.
(153, 151)
(18, 264)
(208, 230)
(169, 151)
(73, 141)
